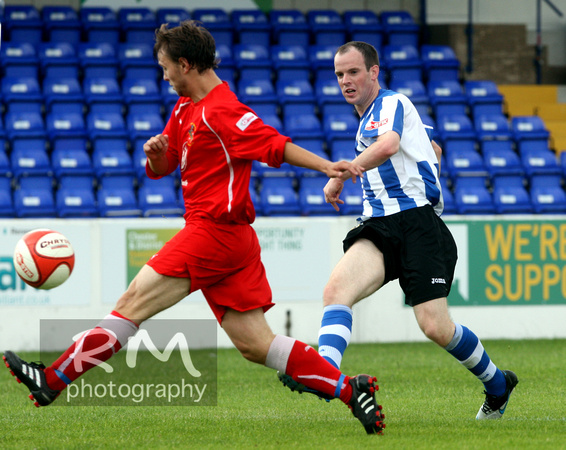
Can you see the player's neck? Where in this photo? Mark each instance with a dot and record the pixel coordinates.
(204, 83)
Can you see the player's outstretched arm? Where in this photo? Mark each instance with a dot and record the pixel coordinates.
(298, 156)
(155, 150)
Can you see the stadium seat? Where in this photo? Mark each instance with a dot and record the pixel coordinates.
(252, 61)
(137, 25)
(33, 197)
(321, 58)
(492, 126)
(168, 95)
(510, 195)
(63, 95)
(447, 97)
(103, 95)
(136, 60)
(98, 59)
(414, 90)
(172, 16)
(528, 128)
(6, 200)
(327, 27)
(455, 126)
(144, 125)
(70, 157)
(65, 125)
(301, 121)
(400, 28)
(75, 197)
(255, 197)
(483, 97)
(463, 159)
(111, 157)
(314, 145)
(337, 108)
(472, 196)
(19, 59)
(158, 198)
(23, 24)
(328, 91)
(251, 26)
(352, 196)
(403, 62)
(547, 194)
(29, 157)
(58, 60)
(218, 22)
(268, 113)
(311, 197)
(537, 158)
(5, 166)
(100, 24)
(117, 198)
(500, 158)
(226, 56)
(24, 125)
(364, 25)
(339, 126)
(342, 149)
(448, 197)
(262, 170)
(439, 63)
(290, 62)
(256, 91)
(294, 91)
(278, 197)
(61, 24)
(141, 95)
(289, 27)
(101, 125)
(22, 95)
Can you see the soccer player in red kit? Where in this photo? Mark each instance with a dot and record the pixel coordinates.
(214, 139)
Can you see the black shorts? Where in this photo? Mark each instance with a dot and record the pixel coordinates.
(418, 249)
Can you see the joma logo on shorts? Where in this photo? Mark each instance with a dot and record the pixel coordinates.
(438, 281)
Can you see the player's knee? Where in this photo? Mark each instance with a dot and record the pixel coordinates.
(330, 294)
(437, 332)
(250, 351)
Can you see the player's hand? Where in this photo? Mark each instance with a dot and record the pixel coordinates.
(156, 147)
(344, 170)
(332, 192)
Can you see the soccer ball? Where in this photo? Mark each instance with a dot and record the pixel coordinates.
(44, 258)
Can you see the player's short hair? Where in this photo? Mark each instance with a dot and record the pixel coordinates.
(368, 51)
(189, 40)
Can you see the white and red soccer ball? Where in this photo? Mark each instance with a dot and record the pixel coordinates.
(44, 258)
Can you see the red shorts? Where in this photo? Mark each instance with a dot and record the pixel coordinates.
(222, 260)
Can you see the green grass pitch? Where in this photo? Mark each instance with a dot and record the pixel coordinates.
(429, 400)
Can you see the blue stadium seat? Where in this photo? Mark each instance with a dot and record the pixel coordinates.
(440, 63)
(75, 197)
(278, 197)
(101, 125)
(510, 195)
(400, 28)
(218, 22)
(141, 95)
(251, 26)
(255, 197)
(268, 113)
(22, 95)
(294, 91)
(337, 108)
(6, 200)
(168, 95)
(225, 53)
(61, 24)
(137, 25)
(98, 59)
(472, 196)
(256, 91)
(100, 24)
(5, 166)
(321, 58)
(23, 24)
(500, 158)
(172, 16)
(103, 95)
(328, 91)
(547, 194)
(311, 197)
(289, 27)
(24, 125)
(327, 26)
(144, 125)
(448, 197)
(19, 59)
(352, 196)
(455, 126)
(314, 145)
(403, 62)
(483, 97)
(528, 128)
(414, 90)
(342, 149)
(339, 126)
(300, 121)
(252, 61)
(290, 62)
(492, 126)
(262, 170)
(538, 158)
(29, 157)
(136, 60)
(158, 198)
(116, 197)
(463, 159)
(111, 157)
(33, 197)
(447, 97)
(364, 25)
(58, 60)
(65, 125)
(70, 157)
(63, 95)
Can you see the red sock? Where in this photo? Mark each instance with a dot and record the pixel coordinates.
(92, 348)
(306, 366)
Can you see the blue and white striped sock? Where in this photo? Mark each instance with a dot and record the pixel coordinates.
(468, 350)
(335, 332)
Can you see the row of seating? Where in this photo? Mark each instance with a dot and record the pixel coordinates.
(320, 26)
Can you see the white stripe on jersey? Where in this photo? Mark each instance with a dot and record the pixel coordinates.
(409, 178)
(228, 161)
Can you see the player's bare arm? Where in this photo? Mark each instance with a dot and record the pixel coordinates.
(380, 151)
(298, 156)
(155, 149)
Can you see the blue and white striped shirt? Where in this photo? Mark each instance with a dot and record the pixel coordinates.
(408, 179)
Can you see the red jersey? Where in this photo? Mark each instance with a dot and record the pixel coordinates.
(215, 141)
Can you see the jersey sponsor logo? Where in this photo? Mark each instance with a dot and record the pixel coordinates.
(191, 133)
(373, 125)
(438, 281)
(245, 120)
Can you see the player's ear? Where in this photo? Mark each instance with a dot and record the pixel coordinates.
(374, 71)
